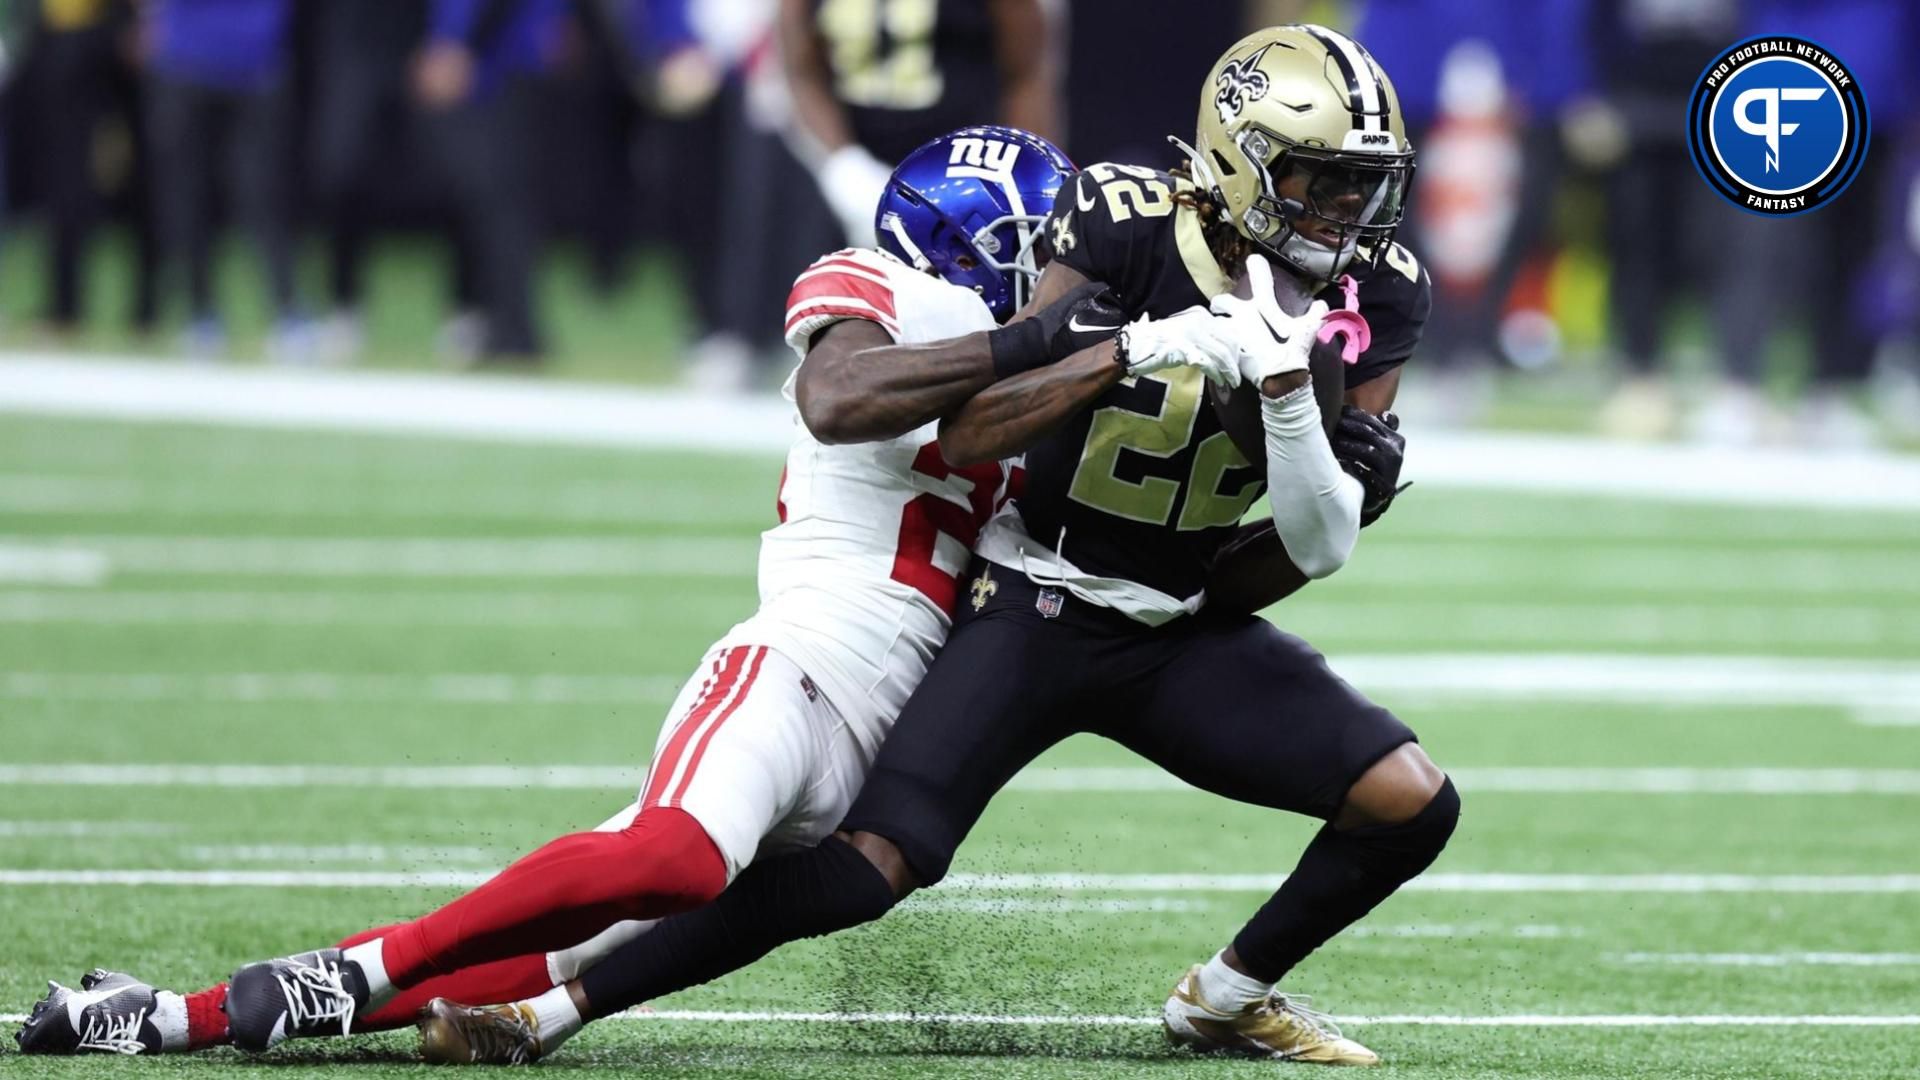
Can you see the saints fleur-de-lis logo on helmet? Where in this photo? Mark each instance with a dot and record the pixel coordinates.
(1241, 81)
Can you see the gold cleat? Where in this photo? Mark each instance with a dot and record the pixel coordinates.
(455, 1034)
(1278, 1027)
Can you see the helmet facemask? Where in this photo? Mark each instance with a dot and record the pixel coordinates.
(1029, 255)
(1350, 200)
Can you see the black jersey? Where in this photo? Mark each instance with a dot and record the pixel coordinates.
(909, 70)
(1145, 484)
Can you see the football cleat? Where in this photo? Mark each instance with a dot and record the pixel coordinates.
(111, 1013)
(1278, 1027)
(455, 1034)
(312, 993)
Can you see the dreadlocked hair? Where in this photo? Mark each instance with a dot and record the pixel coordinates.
(1229, 248)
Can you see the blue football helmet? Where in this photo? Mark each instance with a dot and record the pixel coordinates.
(968, 206)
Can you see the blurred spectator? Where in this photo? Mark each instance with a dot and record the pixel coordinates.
(852, 87)
(1663, 223)
(219, 101)
(474, 78)
(82, 96)
(358, 121)
(1816, 265)
(1485, 86)
(1121, 110)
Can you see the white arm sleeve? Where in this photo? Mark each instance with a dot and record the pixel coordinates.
(1316, 505)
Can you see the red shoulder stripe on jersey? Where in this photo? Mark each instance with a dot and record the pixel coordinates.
(726, 670)
(700, 750)
(852, 260)
(839, 284)
(844, 311)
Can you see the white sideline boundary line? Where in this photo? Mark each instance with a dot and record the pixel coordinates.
(1126, 779)
(512, 410)
(1160, 884)
(1543, 1020)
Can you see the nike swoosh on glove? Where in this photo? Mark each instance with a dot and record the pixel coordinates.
(1270, 341)
(1193, 338)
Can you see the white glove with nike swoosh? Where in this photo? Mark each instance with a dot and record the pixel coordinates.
(1270, 341)
(1193, 338)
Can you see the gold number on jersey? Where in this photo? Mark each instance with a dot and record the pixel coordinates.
(1096, 482)
(1131, 189)
(1207, 506)
(904, 77)
(1397, 257)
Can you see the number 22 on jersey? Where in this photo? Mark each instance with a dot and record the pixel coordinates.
(1115, 431)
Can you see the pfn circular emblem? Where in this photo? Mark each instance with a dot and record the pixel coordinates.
(1777, 125)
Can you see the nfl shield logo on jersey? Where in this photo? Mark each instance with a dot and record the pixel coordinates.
(1049, 603)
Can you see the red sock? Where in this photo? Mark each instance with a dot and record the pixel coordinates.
(206, 1019)
(566, 892)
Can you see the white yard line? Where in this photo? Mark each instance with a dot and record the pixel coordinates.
(40, 564)
(1542, 1020)
(1076, 779)
(1882, 692)
(515, 410)
(1159, 884)
(1123, 779)
(1793, 959)
(465, 608)
(456, 688)
(71, 829)
(88, 559)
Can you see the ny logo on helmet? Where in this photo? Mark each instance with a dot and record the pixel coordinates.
(1241, 81)
(982, 158)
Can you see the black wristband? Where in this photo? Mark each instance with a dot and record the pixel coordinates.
(1018, 347)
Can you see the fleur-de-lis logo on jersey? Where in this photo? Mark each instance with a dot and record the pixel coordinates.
(1063, 238)
(1240, 82)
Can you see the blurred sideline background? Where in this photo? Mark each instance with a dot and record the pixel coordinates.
(621, 190)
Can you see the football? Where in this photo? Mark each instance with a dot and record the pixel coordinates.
(1239, 409)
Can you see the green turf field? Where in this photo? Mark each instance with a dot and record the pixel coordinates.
(1633, 860)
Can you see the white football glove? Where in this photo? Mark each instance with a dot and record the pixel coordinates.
(1193, 338)
(1270, 341)
(852, 180)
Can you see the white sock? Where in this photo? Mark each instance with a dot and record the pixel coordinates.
(557, 1017)
(373, 966)
(1226, 989)
(170, 1018)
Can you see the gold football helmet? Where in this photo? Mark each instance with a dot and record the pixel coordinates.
(1302, 143)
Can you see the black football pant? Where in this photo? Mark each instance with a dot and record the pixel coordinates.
(1229, 704)
(197, 133)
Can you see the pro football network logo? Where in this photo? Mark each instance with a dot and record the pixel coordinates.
(1778, 125)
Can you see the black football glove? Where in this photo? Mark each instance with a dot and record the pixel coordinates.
(1083, 318)
(1371, 449)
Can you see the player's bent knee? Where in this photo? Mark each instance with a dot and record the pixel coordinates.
(886, 857)
(674, 865)
(1396, 789)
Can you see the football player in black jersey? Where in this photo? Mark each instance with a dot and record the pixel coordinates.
(1092, 606)
(873, 79)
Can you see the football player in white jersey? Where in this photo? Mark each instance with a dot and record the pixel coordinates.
(769, 742)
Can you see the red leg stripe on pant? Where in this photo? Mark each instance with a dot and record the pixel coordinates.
(699, 751)
(727, 671)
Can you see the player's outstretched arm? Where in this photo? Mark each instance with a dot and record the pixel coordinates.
(1007, 418)
(857, 385)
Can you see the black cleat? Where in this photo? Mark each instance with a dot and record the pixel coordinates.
(111, 1013)
(312, 993)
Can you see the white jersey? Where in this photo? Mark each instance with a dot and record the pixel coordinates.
(859, 579)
